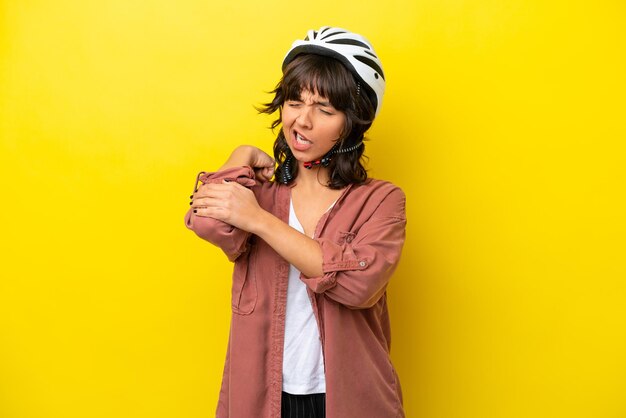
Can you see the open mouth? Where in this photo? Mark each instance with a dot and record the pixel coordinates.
(302, 140)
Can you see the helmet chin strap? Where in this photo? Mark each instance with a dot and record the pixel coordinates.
(325, 160)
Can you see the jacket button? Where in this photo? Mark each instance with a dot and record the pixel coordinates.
(349, 239)
(362, 263)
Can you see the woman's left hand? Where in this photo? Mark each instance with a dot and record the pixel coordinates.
(228, 202)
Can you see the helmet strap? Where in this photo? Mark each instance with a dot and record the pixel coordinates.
(326, 159)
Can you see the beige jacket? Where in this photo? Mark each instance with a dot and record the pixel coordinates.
(361, 239)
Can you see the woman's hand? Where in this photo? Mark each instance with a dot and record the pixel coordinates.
(261, 162)
(228, 202)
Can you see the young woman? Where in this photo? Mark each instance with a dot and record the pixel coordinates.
(313, 249)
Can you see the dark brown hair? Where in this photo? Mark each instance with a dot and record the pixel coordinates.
(332, 80)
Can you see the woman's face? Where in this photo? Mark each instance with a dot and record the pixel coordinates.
(311, 125)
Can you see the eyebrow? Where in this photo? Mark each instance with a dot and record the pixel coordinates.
(316, 102)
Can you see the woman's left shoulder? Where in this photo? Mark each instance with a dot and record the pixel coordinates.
(381, 197)
(378, 187)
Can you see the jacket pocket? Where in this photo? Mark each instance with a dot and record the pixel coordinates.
(344, 237)
(244, 291)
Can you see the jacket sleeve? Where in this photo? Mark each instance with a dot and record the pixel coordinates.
(357, 268)
(231, 240)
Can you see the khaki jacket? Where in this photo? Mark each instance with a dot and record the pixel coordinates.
(361, 239)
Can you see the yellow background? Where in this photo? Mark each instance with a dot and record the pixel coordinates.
(503, 122)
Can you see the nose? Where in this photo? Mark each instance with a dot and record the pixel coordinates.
(304, 119)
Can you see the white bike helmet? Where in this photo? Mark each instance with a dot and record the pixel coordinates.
(352, 49)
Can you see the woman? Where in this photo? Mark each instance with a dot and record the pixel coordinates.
(313, 249)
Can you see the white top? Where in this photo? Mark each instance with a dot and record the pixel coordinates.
(303, 361)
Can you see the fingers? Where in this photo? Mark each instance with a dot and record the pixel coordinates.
(208, 195)
(228, 202)
(206, 202)
(218, 194)
(264, 174)
(215, 189)
(260, 159)
(210, 212)
(268, 172)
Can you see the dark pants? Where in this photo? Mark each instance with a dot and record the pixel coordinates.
(303, 406)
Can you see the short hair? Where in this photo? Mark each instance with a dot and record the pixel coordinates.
(332, 80)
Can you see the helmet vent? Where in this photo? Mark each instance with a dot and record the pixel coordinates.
(337, 32)
(370, 63)
(349, 42)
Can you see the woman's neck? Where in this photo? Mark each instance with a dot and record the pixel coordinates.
(312, 178)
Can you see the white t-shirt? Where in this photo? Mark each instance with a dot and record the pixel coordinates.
(303, 361)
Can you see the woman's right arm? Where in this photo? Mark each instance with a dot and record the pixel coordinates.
(247, 155)
(244, 165)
